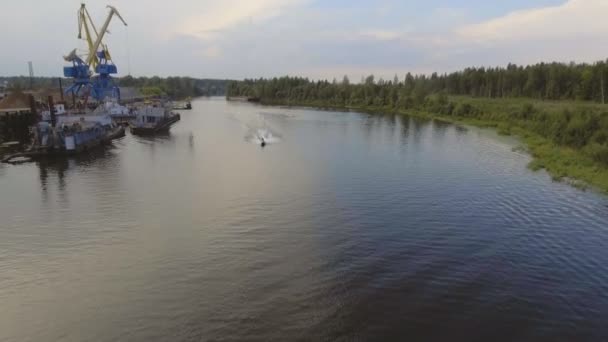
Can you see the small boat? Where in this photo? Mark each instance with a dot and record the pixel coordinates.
(182, 105)
(152, 119)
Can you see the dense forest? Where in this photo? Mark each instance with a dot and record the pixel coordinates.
(554, 81)
(511, 98)
(174, 87)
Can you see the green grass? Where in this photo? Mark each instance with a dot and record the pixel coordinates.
(511, 104)
(565, 163)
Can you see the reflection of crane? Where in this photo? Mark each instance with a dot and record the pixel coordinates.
(98, 59)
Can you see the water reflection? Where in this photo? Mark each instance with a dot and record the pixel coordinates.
(60, 169)
(191, 141)
(418, 127)
(440, 129)
(460, 130)
(404, 125)
(162, 137)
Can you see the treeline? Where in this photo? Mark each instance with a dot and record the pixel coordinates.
(554, 81)
(24, 82)
(174, 87)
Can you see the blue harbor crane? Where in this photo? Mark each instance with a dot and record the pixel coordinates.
(92, 77)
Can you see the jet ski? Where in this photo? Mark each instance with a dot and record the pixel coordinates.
(262, 142)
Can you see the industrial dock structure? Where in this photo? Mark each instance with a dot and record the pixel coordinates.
(97, 113)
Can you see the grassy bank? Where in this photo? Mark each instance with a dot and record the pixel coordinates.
(568, 139)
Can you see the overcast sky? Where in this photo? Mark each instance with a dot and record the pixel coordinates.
(319, 39)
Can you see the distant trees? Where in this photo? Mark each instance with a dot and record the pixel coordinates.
(175, 87)
(23, 82)
(544, 81)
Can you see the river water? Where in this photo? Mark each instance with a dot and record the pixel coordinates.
(345, 226)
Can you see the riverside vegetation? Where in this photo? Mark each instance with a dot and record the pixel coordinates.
(556, 109)
(173, 87)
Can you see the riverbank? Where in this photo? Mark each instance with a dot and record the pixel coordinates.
(566, 138)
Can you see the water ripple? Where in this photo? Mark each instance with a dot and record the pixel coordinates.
(355, 227)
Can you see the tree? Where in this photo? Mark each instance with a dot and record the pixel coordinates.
(369, 80)
(345, 81)
(540, 81)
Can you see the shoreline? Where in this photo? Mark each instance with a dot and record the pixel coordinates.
(562, 163)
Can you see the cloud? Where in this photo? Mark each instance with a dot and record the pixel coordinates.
(383, 35)
(212, 52)
(226, 14)
(320, 39)
(575, 18)
(573, 31)
(334, 42)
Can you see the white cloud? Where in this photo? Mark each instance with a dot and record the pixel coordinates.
(212, 52)
(383, 35)
(225, 14)
(575, 18)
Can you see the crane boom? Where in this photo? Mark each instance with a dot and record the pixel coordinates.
(91, 21)
(83, 15)
(102, 32)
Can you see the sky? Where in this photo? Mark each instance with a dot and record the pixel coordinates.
(326, 39)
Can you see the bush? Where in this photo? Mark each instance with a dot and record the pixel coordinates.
(448, 109)
(600, 137)
(441, 99)
(598, 152)
(407, 103)
(580, 129)
(463, 110)
(504, 129)
(152, 91)
(527, 111)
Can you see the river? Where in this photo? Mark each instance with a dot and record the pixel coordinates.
(346, 226)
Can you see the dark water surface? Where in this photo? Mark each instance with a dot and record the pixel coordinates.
(345, 227)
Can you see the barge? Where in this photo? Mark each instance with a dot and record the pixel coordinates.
(152, 119)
